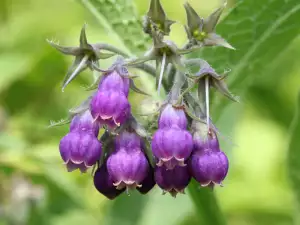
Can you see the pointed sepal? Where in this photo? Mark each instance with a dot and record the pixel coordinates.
(59, 123)
(136, 89)
(221, 86)
(211, 21)
(85, 105)
(156, 19)
(65, 50)
(79, 64)
(213, 39)
(85, 55)
(201, 31)
(83, 40)
(194, 21)
(216, 80)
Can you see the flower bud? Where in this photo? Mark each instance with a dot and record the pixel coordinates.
(104, 183)
(173, 181)
(128, 165)
(115, 82)
(208, 164)
(171, 117)
(84, 122)
(110, 107)
(172, 147)
(80, 150)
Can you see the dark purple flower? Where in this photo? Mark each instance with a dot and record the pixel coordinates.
(172, 117)
(148, 183)
(208, 164)
(104, 183)
(209, 167)
(173, 181)
(110, 107)
(127, 165)
(113, 81)
(80, 150)
(84, 122)
(172, 146)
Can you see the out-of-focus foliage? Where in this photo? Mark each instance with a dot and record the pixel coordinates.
(35, 187)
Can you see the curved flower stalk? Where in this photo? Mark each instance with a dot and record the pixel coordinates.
(130, 155)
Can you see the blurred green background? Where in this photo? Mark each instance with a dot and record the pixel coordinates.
(34, 185)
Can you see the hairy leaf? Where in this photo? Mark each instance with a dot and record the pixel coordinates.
(120, 19)
(259, 32)
(207, 208)
(294, 153)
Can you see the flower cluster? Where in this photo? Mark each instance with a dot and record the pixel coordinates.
(128, 155)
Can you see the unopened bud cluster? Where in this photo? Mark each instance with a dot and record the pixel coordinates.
(105, 134)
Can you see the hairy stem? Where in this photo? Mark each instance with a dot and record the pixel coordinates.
(162, 69)
(207, 100)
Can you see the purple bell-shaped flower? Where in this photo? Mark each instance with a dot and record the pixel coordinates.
(128, 165)
(110, 106)
(172, 144)
(208, 164)
(173, 181)
(104, 184)
(80, 149)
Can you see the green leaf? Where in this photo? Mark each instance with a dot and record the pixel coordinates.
(120, 19)
(127, 210)
(294, 154)
(259, 34)
(206, 205)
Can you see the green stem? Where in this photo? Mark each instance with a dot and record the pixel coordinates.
(207, 208)
(178, 83)
(143, 66)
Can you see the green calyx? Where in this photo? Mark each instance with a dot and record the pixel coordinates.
(201, 31)
(156, 19)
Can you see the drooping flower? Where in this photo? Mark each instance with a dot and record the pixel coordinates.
(104, 184)
(209, 167)
(128, 165)
(173, 181)
(80, 148)
(208, 164)
(110, 107)
(172, 144)
(172, 147)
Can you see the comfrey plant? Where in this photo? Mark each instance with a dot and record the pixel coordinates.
(184, 145)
